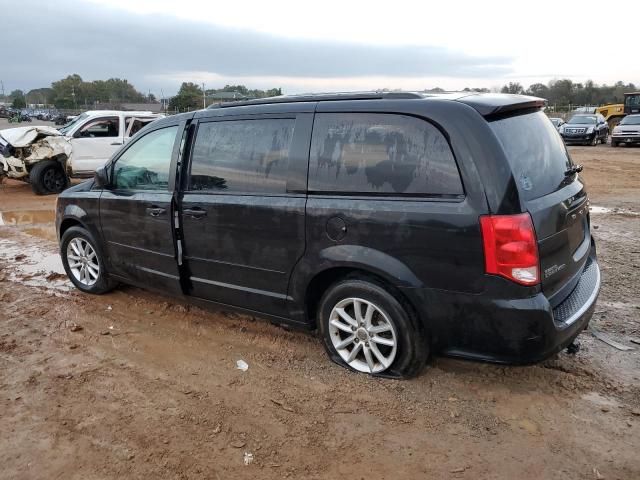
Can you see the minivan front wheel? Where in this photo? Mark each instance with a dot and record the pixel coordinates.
(365, 328)
(83, 263)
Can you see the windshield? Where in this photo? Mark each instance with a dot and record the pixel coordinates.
(631, 120)
(583, 119)
(535, 151)
(67, 128)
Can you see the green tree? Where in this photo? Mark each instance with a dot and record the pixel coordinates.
(17, 99)
(513, 87)
(189, 97)
(538, 90)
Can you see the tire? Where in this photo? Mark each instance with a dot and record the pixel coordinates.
(594, 142)
(48, 177)
(400, 348)
(614, 143)
(93, 278)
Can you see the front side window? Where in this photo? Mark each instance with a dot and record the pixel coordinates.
(101, 128)
(146, 164)
(249, 156)
(380, 154)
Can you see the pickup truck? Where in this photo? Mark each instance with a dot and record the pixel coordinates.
(47, 157)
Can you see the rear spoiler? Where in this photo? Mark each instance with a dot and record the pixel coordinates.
(498, 105)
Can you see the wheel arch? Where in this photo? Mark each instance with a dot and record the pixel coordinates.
(331, 272)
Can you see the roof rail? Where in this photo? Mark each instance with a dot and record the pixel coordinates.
(320, 97)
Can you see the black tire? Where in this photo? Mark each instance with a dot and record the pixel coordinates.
(412, 345)
(103, 283)
(48, 177)
(594, 141)
(614, 143)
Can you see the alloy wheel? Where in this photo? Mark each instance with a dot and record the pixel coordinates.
(83, 261)
(363, 335)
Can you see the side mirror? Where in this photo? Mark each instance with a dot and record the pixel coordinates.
(101, 177)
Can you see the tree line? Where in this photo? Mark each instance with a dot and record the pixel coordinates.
(567, 92)
(73, 92)
(190, 96)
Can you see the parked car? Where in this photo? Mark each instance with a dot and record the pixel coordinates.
(627, 132)
(586, 129)
(92, 138)
(60, 119)
(557, 122)
(398, 225)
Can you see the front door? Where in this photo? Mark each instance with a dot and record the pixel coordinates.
(136, 212)
(94, 143)
(243, 228)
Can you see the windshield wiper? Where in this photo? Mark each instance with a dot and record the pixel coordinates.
(573, 169)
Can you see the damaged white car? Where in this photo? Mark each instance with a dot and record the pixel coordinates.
(47, 157)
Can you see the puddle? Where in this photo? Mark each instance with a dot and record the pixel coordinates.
(33, 267)
(27, 217)
(48, 233)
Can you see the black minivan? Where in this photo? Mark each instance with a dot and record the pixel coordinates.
(396, 224)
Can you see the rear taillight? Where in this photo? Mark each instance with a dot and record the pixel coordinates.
(510, 247)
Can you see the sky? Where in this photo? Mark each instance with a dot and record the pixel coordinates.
(309, 46)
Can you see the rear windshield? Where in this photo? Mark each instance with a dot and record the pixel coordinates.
(535, 151)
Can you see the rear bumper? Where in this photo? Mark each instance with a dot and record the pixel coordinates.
(514, 331)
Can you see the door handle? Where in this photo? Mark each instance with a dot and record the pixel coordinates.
(195, 212)
(156, 211)
(116, 143)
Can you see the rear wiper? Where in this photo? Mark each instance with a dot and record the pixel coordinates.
(573, 169)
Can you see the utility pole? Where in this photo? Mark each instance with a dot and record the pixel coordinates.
(2, 85)
(73, 94)
(204, 97)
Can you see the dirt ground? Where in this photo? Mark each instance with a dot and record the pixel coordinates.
(136, 385)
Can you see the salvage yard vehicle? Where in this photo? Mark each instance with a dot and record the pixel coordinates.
(627, 132)
(586, 129)
(398, 225)
(90, 138)
(557, 122)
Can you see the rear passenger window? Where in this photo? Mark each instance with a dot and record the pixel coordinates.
(380, 153)
(248, 156)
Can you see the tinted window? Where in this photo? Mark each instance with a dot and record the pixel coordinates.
(145, 165)
(535, 151)
(249, 156)
(380, 153)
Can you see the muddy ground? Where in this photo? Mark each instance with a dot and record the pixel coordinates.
(136, 385)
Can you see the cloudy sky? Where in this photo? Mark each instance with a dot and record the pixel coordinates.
(310, 46)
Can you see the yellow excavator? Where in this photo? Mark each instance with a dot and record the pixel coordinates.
(616, 112)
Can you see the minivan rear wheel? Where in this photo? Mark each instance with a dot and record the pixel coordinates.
(83, 261)
(365, 328)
